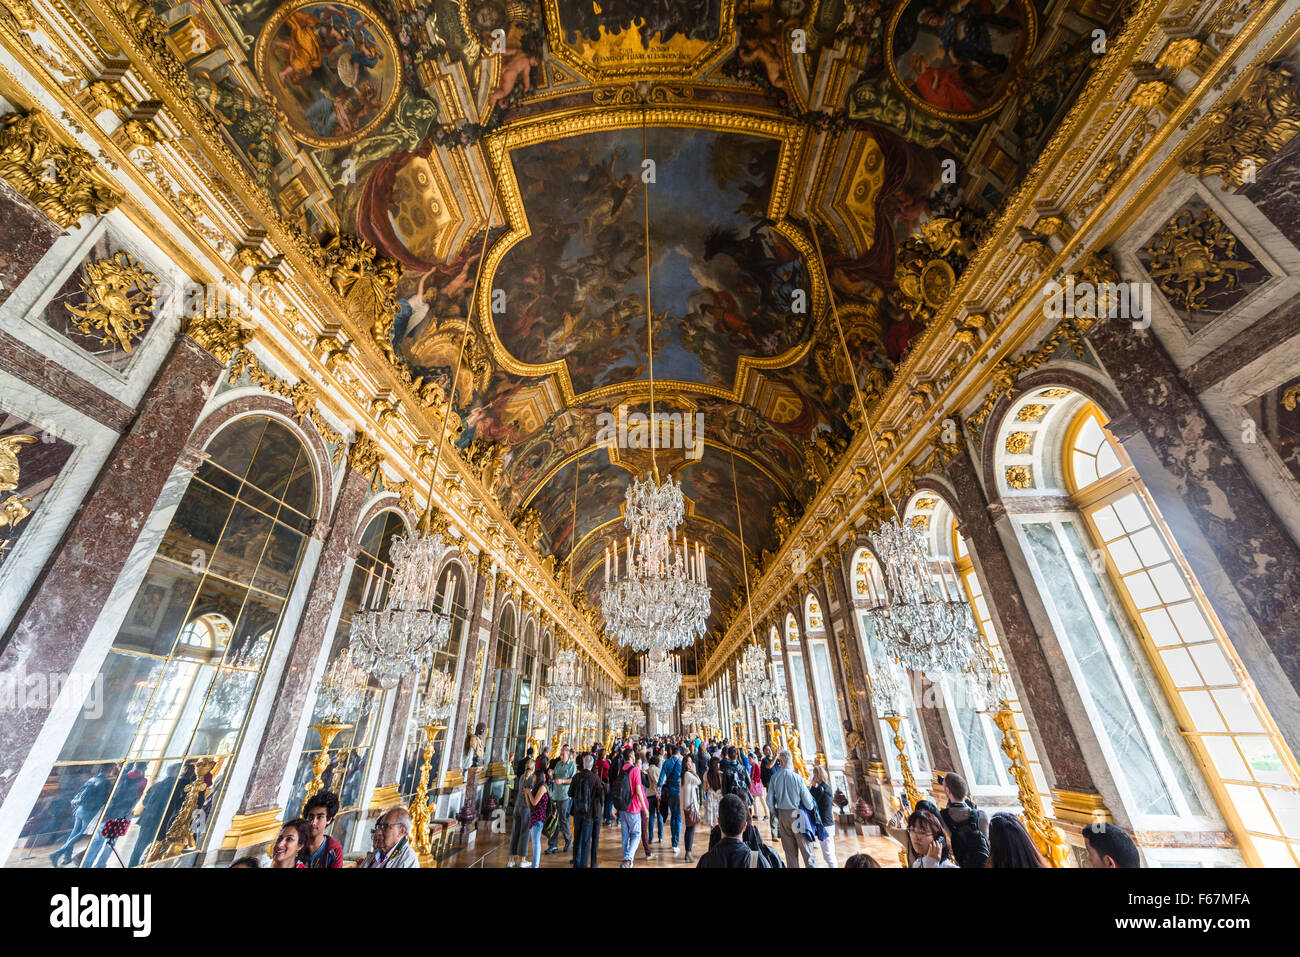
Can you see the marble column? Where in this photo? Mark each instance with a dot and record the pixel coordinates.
(1258, 556)
(1042, 703)
(50, 628)
(279, 743)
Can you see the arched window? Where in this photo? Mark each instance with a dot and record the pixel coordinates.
(1251, 772)
(170, 701)
(819, 655)
(350, 751)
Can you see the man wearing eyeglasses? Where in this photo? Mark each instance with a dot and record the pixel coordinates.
(391, 847)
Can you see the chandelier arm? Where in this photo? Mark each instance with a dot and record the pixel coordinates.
(853, 375)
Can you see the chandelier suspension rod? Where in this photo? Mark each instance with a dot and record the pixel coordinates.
(744, 562)
(649, 316)
(853, 375)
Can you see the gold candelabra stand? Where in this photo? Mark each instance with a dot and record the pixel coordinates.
(328, 731)
(419, 809)
(555, 741)
(740, 734)
(180, 835)
(909, 782)
(1049, 839)
(772, 739)
(796, 752)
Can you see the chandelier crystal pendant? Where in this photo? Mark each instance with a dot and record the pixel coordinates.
(918, 619)
(439, 699)
(751, 673)
(564, 687)
(987, 679)
(399, 636)
(658, 596)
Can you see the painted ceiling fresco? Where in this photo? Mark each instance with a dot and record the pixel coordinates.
(461, 137)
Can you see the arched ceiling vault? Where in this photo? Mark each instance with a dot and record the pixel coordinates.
(447, 132)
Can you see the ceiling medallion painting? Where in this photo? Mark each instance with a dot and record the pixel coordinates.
(959, 60)
(730, 273)
(330, 70)
(628, 40)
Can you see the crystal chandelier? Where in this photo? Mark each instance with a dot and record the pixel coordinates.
(658, 597)
(987, 679)
(439, 698)
(773, 705)
(564, 687)
(886, 692)
(751, 673)
(343, 688)
(922, 625)
(661, 679)
(233, 687)
(708, 711)
(401, 636)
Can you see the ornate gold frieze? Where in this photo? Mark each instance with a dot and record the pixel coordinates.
(1031, 412)
(62, 180)
(118, 300)
(924, 271)
(1247, 134)
(14, 508)
(301, 394)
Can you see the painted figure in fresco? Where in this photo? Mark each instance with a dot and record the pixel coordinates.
(516, 69)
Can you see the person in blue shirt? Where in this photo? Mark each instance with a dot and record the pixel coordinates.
(670, 795)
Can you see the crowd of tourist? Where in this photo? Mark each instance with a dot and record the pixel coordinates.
(668, 787)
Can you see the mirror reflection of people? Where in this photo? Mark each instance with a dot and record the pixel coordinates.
(319, 812)
(156, 801)
(291, 844)
(87, 803)
(129, 788)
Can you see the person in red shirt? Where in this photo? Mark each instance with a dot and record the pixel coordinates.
(602, 768)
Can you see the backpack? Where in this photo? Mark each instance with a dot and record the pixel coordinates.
(623, 790)
(580, 796)
(736, 783)
(551, 823)
(970, 848)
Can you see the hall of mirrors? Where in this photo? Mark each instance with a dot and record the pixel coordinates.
(314, 316)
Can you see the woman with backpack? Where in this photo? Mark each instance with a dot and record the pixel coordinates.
(539, 800)
(822, 795)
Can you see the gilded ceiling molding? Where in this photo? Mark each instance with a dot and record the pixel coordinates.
(1247, 133)
(302, 395)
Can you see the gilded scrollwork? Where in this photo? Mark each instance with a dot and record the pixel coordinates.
(118, 300)
(1248, 133)
(63, 181)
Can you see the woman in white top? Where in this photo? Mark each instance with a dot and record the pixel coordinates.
(712, 793)
(690, 803)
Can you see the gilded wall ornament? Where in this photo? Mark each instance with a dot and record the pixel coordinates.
(302, 395)
(364, 455)
(1019, 443)
(1020, 476)
(1247, 134)
(221, 335)
(1031, 412)
(62, 181)
(367, 284)
(925, 271)
(119, 300)
(1191, 253)
(14, 508)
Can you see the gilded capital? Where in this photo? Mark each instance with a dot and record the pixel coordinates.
(62, 180)
(364, 455)
(222, 336)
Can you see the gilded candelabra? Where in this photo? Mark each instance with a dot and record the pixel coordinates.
(419, 808)
(1048, 838)
(909, 782)
(555, 741)
(772, 739)
(180, 835)
(328, 731)
(796, 752)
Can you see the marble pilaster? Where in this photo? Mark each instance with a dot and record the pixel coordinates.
(1260, 559)
(47, 633)
(278, 745)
